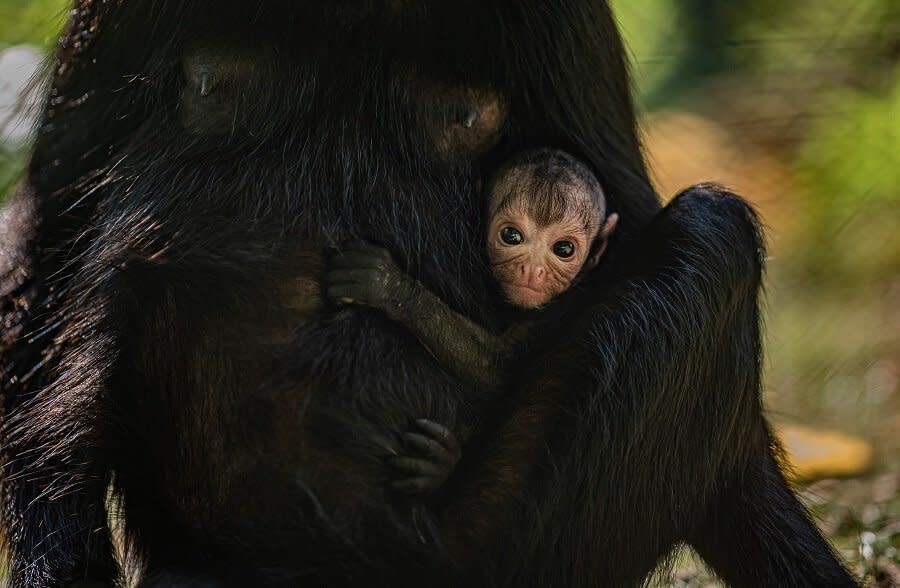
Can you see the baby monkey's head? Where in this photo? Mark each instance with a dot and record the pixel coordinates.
(546, 224)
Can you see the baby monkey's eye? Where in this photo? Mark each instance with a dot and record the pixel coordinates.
(564, 249)
(511, 235)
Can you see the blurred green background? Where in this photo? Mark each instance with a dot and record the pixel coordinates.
(796, 105)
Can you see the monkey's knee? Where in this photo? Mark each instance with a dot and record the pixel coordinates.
(717, 225)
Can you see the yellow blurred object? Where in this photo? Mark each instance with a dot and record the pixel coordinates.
(685, 149)
(814, 454)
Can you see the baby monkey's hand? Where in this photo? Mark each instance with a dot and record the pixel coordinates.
(430, 454)
(365, 274)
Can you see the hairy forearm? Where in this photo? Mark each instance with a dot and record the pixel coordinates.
(366, 274)
(468, 351)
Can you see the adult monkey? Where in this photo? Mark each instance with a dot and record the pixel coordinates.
(163, 329)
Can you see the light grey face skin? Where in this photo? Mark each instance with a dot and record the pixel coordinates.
(535, 261)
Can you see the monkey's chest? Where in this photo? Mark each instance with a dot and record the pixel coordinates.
(252, 93)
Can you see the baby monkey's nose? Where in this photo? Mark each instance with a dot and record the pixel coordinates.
(531, 275)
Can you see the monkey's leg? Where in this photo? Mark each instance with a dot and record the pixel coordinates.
(55, 468)
(759, 534)
(632, 429)
(53, 509)
(222, 576)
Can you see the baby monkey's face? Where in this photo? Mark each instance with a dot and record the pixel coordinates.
(533, 261)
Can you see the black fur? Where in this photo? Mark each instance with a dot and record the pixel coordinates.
(154, 338)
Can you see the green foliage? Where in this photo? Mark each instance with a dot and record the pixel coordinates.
(36, 22)
(804, 35)
(11, 165)
(855, 154)
(33, 22)
(651, 31)
(849, 165)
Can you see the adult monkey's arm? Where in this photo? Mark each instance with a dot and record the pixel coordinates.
(644, 419)
(640, 425)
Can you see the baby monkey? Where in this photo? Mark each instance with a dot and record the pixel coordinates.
(547, 225)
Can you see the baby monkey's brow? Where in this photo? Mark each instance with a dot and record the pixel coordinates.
(567, 205)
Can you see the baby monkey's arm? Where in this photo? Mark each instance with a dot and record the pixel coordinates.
(366, 274)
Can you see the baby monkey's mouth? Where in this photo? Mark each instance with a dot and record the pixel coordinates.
(525, 296)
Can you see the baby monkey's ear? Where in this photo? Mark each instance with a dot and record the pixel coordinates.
(601, 241)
